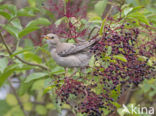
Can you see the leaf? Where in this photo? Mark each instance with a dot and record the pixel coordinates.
(41, 110)
(127, 11)
(120, 57)
(59, 21)
(102, 27)
(5, 108)
(35, 76)
(27, 31)
(12, 30)
(139, 16)
(7, 72)
(38, 22)
(16, 23)
(21, 51)
(24, 87)
(100, 7)
(32, 3)
(28, 106)
(28, 11)
(11, 100)
(3, 64)
(11, 8)
(32, 57)
(34, 25)
(109, 50)
(5, 14)
(57, 70)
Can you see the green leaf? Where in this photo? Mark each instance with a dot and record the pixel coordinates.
(32, 3)
(7, 72)
(28, 11)
(12, 30)
(17, 24)
(38, 22)
(3, 64)
(102, 27)
(11, 100)
(24, 88)
(34, 25)
(109, 50)
(127, 11)
(59, 21)
(5, 14)
(139, 17)
(32, 57)
(21, 51)
(100, 7)
(120, 57)
(5, 108)
(27, 31)
(41, 110)
(35, 76)
(57, 70)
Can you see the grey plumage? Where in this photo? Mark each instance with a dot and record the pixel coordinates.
(69, 54)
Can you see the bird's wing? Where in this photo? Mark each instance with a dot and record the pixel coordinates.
(74, 48)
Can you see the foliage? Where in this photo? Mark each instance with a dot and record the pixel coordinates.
(124, 57)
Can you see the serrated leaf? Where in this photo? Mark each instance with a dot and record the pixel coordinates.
(3, 64)
(35, 76)
(120, 57)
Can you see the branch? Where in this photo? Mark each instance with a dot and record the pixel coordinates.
(17, 97)
(23, 61)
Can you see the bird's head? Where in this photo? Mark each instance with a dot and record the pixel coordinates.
(52, 39)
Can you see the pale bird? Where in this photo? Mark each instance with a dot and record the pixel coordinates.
(70, 55)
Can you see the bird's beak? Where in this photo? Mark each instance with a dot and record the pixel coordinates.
(45, 37)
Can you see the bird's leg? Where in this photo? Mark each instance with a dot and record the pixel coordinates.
(83, 70)
(66, 71)
(75, 71)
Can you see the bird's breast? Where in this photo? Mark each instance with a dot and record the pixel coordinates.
(76, 60)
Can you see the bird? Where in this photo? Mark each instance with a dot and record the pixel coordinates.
(70, 55)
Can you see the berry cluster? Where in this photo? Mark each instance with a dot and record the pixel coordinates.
(123, 64)
(84, 100)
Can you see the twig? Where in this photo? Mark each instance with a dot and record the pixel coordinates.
(17, 97)
(23, 61)
(90, 33)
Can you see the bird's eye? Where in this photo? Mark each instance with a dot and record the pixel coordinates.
(52, 37)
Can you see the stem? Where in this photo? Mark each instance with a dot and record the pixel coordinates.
(17, 57)
(17, 97)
